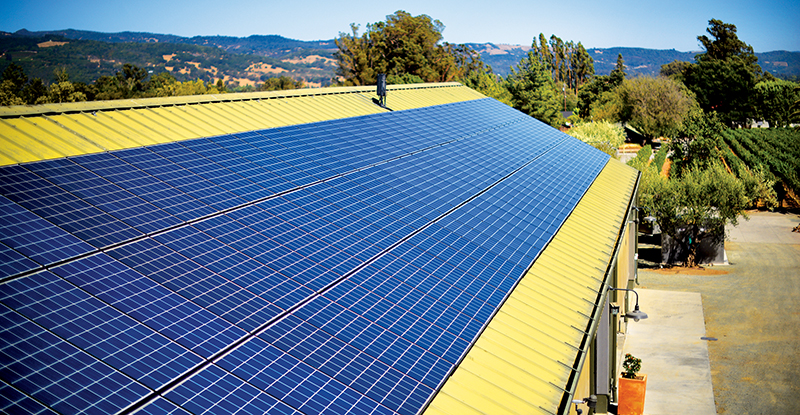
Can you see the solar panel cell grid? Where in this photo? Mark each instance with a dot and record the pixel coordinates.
(104, 195)
(145, 186)
(209, 170)
(165, 310)
(93, 326)
(58, 374)
(180, 178)
(215, 391)
(162, 406)
(13, 262)
(15, 402)
(62, 208)
(242, 166)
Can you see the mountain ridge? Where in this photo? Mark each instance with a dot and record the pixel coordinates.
(638, 61)
(312, 61)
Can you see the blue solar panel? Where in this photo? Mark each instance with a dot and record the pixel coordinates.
(93, 326)
(151, 304)
(36, 238)
(341, 266)
(242, 166)
(145, 186)
(13, 262)
(63, 209)
(29, 237)
(104, 195)
(211, 171)
(14, 402)
(58, 374)
(162, 406)
(178, 177)
(216, 391)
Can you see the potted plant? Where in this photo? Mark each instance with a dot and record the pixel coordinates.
(631, 387)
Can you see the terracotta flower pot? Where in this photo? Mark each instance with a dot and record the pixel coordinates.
(631, 395)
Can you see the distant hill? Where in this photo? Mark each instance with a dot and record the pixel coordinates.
(269, 45)
(638, 61)
(247, 60)
(89, 55)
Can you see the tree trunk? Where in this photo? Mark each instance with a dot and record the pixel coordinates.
(691, 258)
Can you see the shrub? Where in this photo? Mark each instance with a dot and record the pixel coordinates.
(602, 135)
(642, 159)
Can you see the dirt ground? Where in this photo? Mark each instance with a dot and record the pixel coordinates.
(752, 307)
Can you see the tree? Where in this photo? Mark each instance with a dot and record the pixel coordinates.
(533, 91)
(594, 91)
(488, 84)
(724, 76)
(773, 101)
(355, 58)
(162, 84)
(405, 78)
(569, 63)
(617, 74)
(695, 206)
(196, 87)
(724, 87)
(132, 80)
(674, 69)
(401, 45)
(16, 89)
(128, 83)
(656, 107)
(62, 90)
(221, 87)
(608, 107)
(34, 91)
(725, 44)
(794, 116)
(280, 83)
(598, 98)
(698, 145)
(8, 94)
(15, 75)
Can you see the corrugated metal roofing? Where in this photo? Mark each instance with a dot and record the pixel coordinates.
(62, 130)
(522, 362)
(339, 266)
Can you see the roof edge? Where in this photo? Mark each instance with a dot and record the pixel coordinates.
(18, 111)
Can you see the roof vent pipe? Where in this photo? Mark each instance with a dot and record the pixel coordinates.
(382, 89)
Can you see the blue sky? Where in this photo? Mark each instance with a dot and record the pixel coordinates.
(765, 25)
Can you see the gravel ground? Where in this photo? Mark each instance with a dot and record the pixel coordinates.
(752, 307)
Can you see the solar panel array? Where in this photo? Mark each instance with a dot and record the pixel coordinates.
(343, 266)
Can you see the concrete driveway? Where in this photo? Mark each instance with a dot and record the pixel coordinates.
(752, 307)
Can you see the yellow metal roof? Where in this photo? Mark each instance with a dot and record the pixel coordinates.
(41, 132)
(525, 357)
(523, 360)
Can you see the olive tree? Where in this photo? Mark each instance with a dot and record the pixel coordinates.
(695, 206)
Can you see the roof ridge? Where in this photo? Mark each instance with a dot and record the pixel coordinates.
(18, 111)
